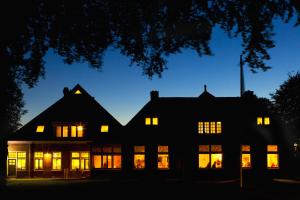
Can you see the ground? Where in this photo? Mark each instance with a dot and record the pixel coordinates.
(131, 189)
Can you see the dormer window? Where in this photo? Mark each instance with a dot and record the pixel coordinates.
(70, 131)
(40, 128)
(104, 129)
(209, 127)
(263, 120)
(77, 92)
(151, 121)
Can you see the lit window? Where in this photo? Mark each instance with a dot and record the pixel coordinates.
(58, 131)
(56, 161)
(40, 129)
(104, 128)
(219, 127)
(38, 160)
(21, 160)
(80, 160)
(210, 156)
(79, 131)
(12, 154)
(78, 92)
(212, 127)
(259, 120)
(151, 121)
(206, 127)
(155, 121)
(117, 161)
(263, 120)
(200, 127)
(139, 157)
(97, 161)
(163, 157)
(148, 121)
(272, 157)
(209, 127)
(246, 157)
(267, 121)
(73, 131)
(65, 131)
(108, 157)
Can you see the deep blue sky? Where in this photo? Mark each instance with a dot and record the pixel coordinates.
(123, 90)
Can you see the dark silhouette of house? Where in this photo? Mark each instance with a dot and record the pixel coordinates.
(61, 140)
(184, 138)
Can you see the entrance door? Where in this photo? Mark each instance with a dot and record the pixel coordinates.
(11, 168)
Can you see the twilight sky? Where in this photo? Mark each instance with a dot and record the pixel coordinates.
(123, 90)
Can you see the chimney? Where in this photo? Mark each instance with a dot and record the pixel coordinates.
(154, 95)
(66, 91)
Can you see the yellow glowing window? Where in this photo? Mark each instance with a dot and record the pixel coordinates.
(206, 127)
(273, 161)
(267, 121)
(204, 161)
(200, 128)
(84, 155)
(79, 131)
(97, 161)
(139, 161)
(259, 121)
(210, 156)
(40, 129)
(73, 131)
(104, 128)
(21, 160)
(139, 157)
(219, 127)
(58, 131)
(56, 161)
(163, 157)
(212, 127)
(75, 164)
(21, 164)
(107, 161)
(163, 161)
(65, 131)
(246, 148)
(38, 160)
(155, 121)
(80, 160)
(216, 160)
(148, 121)
(110, 158)
(12, 154)
(272, 148)
(246, 160)
(209, 127)
(272, 157)
(77, 92)
(117, 161)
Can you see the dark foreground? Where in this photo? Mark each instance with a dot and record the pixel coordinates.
(107, 189)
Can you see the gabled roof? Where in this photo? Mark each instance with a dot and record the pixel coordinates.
(76, 106)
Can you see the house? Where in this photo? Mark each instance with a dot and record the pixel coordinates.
(190, 138)
(66, 139)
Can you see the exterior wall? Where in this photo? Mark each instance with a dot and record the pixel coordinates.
(48, 149)
(21, 147)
